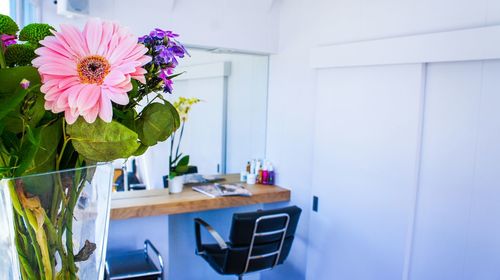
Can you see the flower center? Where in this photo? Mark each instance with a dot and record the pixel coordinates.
(93, 69)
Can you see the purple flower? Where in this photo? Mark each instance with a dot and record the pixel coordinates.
(167, 82)
(166, 51)
(171, 34)
(146, 39)
(158, 33)
(25, 83)
(7, 40)
(177, 51)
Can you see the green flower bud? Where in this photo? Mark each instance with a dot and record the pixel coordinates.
(34, 32)
(19, 54)
(8, 25)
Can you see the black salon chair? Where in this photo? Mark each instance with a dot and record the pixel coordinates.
(258, 241)
(135, 265)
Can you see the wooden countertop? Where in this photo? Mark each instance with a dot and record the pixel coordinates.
(157, 202)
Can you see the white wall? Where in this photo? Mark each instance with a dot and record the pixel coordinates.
(240, 25)
(404, 170)
(290, 128)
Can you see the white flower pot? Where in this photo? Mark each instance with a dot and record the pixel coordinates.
(176, 184)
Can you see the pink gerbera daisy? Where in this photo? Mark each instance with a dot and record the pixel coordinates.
(84, 71)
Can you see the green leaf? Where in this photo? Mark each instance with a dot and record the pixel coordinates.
(27, 152)
(156, 124)
(32, 137)
(9, 104)
(128, 118)
(11, 77)
(10, 141)
(34, 108)
(181, 169)
(175, 114)
(29, 111)
(135, 89)
(141, 150)
(184, 161)
(4, 161)
(100, 141)
(182, 166)
(173, 110)
(44, 160)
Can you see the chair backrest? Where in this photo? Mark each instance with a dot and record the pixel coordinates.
(263, 238)
(242, 228)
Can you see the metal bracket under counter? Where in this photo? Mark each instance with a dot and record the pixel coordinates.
(157, 202)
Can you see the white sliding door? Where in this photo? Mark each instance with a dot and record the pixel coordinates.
(365, 151)
(457, 227)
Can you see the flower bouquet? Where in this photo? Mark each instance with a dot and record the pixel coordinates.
(70, 100)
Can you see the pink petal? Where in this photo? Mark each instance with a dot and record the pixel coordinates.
(122, 49)
(112, 46)
(47, 85)
(114, 78)
(106, 110)
(48, 105)
(93, 32)
(118, 98)
(58, 69)
(54, 44)
(73, 95)
(62, 101)
(107, 34)
(139, 78)
(75, 39)
(127, 67)
(70, 117)
(44, 51)
(68, 82)
(91, 115)
(88, 97)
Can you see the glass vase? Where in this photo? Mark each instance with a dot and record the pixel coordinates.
(55, 225)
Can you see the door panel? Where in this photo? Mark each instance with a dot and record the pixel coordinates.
(364, 171)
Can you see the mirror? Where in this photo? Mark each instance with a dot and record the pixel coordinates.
(224, 130)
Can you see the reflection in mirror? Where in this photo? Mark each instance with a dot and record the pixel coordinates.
(222, 132)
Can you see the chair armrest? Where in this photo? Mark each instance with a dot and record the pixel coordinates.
(197, 228)
(147, 244)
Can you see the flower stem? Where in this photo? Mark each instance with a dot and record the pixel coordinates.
(170, 161)
(179, 142)
(19, 209)
(2, 58)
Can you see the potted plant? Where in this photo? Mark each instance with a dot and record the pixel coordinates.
(68, 105)
(179, 163)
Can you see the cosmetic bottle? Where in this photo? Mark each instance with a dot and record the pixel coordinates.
(252, 167)
(248, 167)
(251, 179)
(265, 174)
(258, 169)
(243, 176)
(270, 175)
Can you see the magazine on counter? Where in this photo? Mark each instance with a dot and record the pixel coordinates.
(218, 190)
